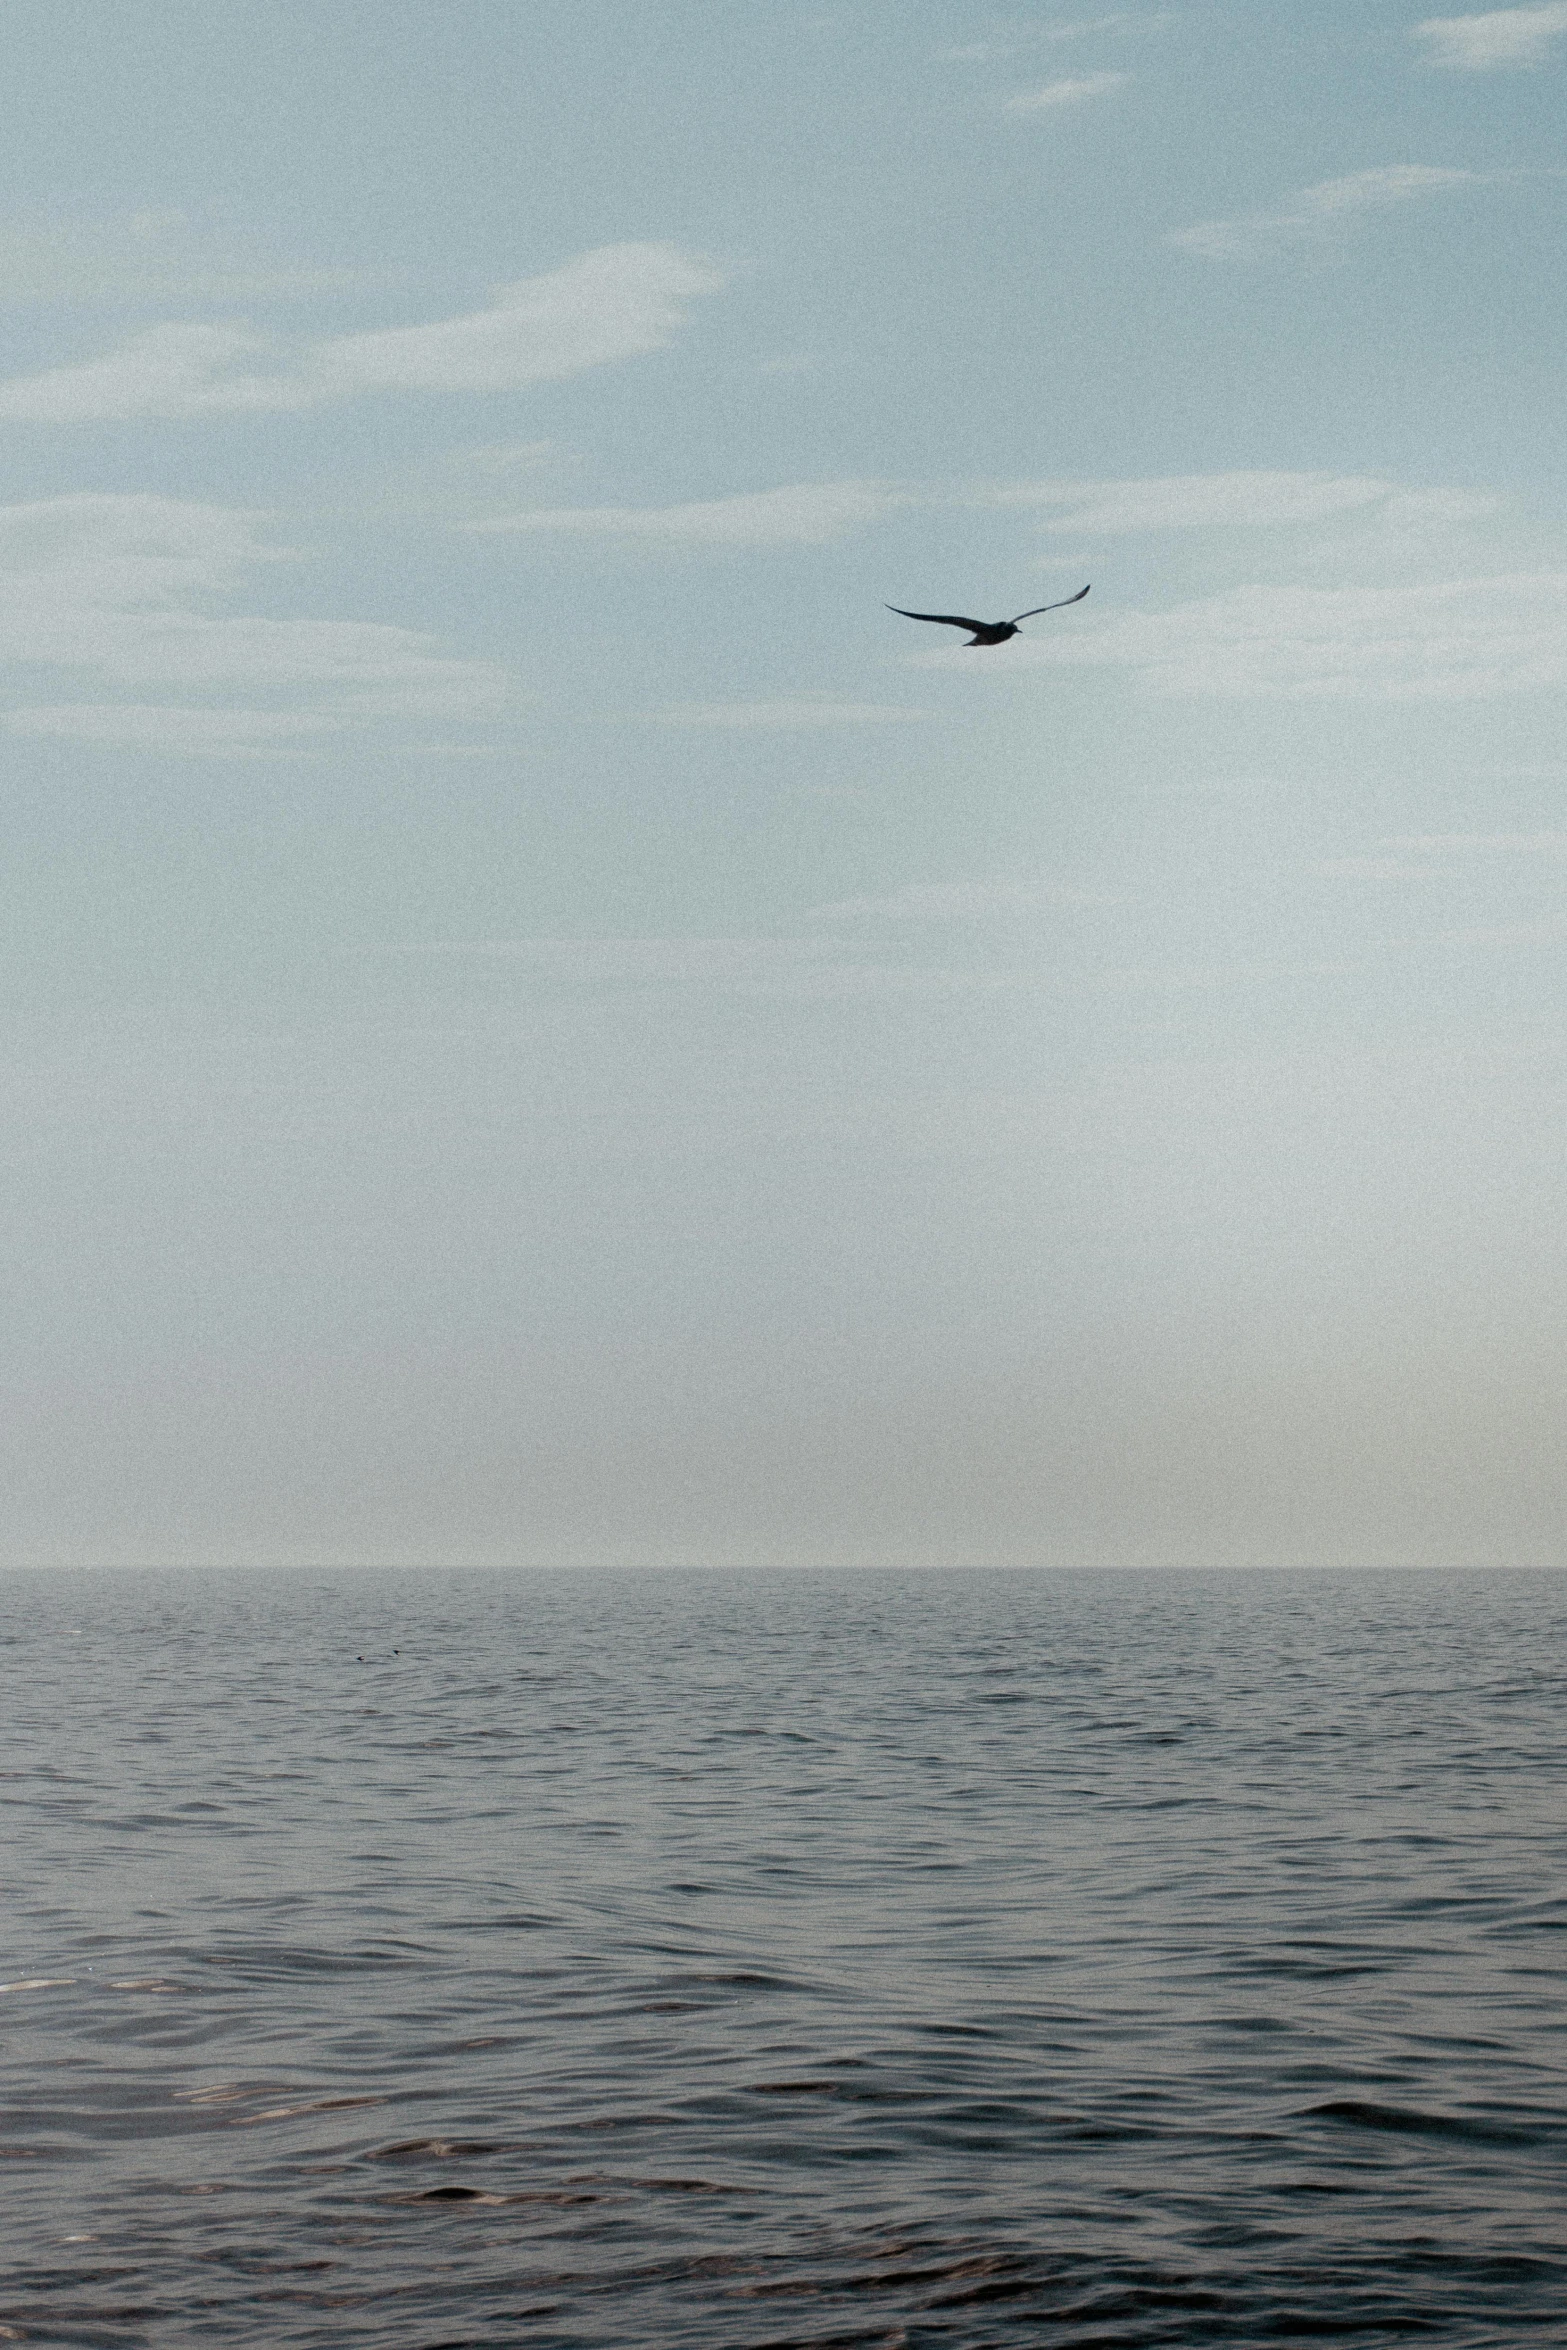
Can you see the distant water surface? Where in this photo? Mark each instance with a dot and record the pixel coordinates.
(891, 1959)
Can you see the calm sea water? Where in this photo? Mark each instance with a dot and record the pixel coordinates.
(967, 1959)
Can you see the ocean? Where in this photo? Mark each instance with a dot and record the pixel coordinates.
(413, 1959)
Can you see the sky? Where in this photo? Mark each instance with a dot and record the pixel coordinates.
(542, 1023)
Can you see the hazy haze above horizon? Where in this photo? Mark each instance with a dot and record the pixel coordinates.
(541, 1022)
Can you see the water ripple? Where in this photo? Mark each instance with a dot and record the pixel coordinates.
(732, 1963)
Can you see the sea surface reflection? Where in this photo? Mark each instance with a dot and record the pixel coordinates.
(933, 1959)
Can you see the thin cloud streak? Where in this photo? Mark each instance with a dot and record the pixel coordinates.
(1369, 869)
(802, 514)
(1452, 640)
(619, 302)
(1552, 844)
(123, 589)
(1072, 90)
(798, 969)
(1499, 38)
(1317, 211)
(790, 714)
(960, 901)
(986, 52)
(156, 727)
(1199, 501)
(813, 513)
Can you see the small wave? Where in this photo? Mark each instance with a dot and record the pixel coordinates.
(492, 2196)
(1363, 2114)
(288, 2113)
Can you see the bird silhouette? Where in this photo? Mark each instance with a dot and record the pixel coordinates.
(989, 632)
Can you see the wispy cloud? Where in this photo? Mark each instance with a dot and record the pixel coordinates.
(1368, 869)
(1446, 844)
(959, 901)
(1071, 90)
(616, 303)
(803, 514)
(129, 591)
(798, 711)
(1120, 20)
(812, 513)
(635, 960)
(1199, 501)
(502, 457)
(797, 968)
(1501, 37)
(173, 727)
(1452, 640)
(1316, 211)
(1216, 978)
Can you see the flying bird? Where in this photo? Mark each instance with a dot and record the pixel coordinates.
(989, 632)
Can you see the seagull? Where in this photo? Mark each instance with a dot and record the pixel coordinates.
(989, 632)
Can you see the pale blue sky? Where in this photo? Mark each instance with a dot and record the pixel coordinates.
(542, 1022)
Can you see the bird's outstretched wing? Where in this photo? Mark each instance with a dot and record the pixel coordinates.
(948, 619)
(1061, 607)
